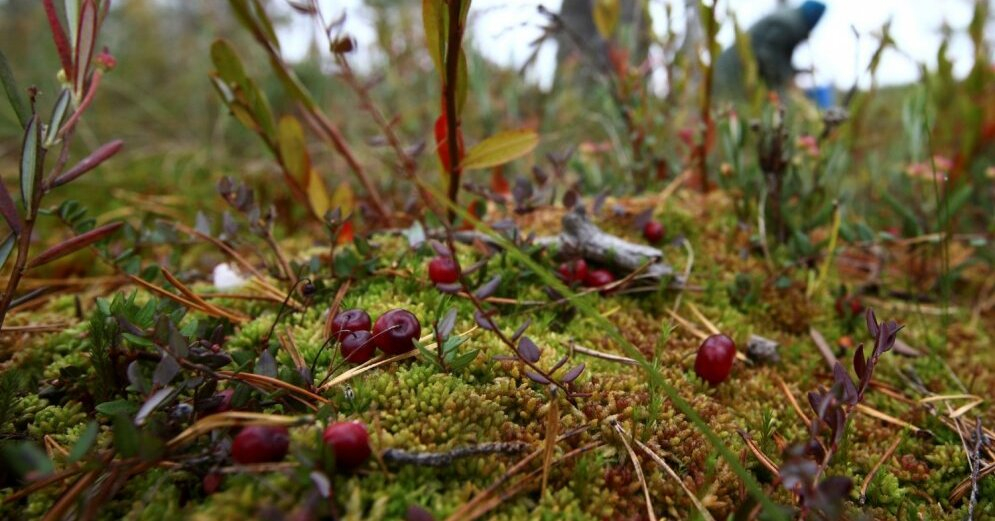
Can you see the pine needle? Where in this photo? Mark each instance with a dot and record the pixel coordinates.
(639, 468)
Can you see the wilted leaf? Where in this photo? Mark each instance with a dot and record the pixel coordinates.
(73, 244)
(95, 159)
(528, 350)
(499, 149)
(17, 102)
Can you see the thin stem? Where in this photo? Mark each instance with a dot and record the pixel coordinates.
(452, 118)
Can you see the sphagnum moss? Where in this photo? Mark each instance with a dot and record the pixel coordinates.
(411, 405)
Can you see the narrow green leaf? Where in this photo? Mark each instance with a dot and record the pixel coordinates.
(116, 407)
(58, 114)
(72, 14)
(265, 24)
(84, 442)
(462, 82)
(500, 148)
(30, 162)
(126, 439)
(433, 21)
(6, 248)
(13, 93)
(227, 62)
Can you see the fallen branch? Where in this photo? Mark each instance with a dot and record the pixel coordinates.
(441, 459)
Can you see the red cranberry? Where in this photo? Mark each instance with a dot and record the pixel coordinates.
(443, 270)
(348, 321)
(395, 330)
(598, 278)
(211, 482)
(349, 442)
(849, 304)
(653, 231)
(260, 444)
(574, 271)
(357, 347)
(714, 361)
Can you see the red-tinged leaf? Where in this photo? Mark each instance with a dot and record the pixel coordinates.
(9, 210)
(86, 41)
(441, 146)
(73, 244)
(499, 184)
(346, 234)
(61, 41)
(95, 159)
(859, 362)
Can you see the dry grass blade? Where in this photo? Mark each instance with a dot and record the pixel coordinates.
(68, 499)
(288, 344)
(273, 383)
(604, 356)
(639, 468)
(960, 411)
(945, 397)
(688, 325)
(207, 306)
(234, 419)
(964, 486)
(702, 318)
(874, 470)
(759, 454)
(791, 399)
(874, 413)
(336, 304)
(34, 328)
(705, 514)
(172, 296)
(823, 345)
(373, 363)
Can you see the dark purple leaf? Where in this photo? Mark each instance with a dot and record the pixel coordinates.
(9, 210)
(559, 363)
(448, 322)
(105, 152)
(521, 329)
(835, 488)
(522, 191)
(452, 287)
(73, 244)
(797, 474)
(136, 378)
(203, 224)
(859, 362)
(488, 288)
(571, 198)
(539, 174)
(872, 322)
(642, 218)
(152, 403)
(528, 350)
(573, 373)
(440, 249)
(484, 321)
(843, 379)
(417, 513)
(536, 377)
(599, 202)
(165, 371)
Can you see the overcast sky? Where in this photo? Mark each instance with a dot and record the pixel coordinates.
(503, 29)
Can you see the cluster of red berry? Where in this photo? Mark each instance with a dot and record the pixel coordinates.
(348, 441)
(577, 272)
(394, 333)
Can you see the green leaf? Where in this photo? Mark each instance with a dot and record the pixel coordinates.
(26, 458)
(84, 442)
(606, 14)
(293, 149)
(462, 81)
(428, 355)
(30, 163)
(434, 23)
(227, 62)
(462, 361)
(137, 340)
(58, 114)
(265, 24)
(500, 148)
(117, 407)
(126, 437)
(13, 93)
